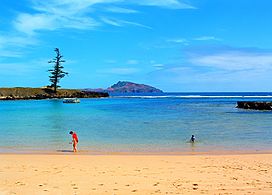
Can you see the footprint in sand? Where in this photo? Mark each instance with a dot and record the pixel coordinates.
(20, 183)
(134, 191)
(195, 186)
(156, 184)
(74, 186)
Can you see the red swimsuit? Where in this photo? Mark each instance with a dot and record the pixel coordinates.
(75, 137)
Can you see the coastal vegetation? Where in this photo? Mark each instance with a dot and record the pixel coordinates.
(57, 72)
(24, 93)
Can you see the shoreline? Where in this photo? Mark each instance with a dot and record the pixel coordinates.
(112, 153)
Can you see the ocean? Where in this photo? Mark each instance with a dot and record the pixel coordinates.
(137, 123)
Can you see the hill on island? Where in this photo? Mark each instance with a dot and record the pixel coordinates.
(129, 87)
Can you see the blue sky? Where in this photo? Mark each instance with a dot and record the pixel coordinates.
(175, 45)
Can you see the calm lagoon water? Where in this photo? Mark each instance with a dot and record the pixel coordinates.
(162, 123)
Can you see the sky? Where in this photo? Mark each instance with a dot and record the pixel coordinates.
(174, 45)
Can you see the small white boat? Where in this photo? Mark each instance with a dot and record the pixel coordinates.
(71, 100)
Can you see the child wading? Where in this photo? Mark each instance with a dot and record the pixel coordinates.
(74, 140)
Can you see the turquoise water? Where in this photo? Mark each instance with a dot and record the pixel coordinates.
(136, 124)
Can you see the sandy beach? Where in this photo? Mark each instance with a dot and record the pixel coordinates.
(135, 174)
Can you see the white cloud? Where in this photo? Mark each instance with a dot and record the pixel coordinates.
(192, 79)
(137, 24)
(187, 41)
(20, 68)
(173, 4)
(10, 40)
(112, 22)
(207, 38)
(178, 41)
(54, 14)
(121, 23)
(110, 61)
(158, 65)
(29, 23)
(219, 68)
(52, 18)
(12, 54)
(51, 15)
(11, 45)
(235, 60)
(132, 62)
(121, 10)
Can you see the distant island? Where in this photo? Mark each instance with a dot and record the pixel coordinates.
(128, 87)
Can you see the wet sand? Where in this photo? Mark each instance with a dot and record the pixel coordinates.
(135, 174)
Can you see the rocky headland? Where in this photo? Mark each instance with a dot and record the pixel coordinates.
(25, 93)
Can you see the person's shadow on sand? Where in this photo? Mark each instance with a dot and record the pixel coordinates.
(65, 151)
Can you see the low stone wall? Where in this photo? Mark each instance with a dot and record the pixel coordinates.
(254, 105)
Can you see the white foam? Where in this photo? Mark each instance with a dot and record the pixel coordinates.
(193, 96)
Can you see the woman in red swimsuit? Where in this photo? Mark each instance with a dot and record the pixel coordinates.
(74, 140)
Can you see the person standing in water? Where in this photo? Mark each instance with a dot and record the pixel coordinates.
(74, 140)
(192, 140)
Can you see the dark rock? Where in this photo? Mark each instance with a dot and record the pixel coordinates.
(254, 105)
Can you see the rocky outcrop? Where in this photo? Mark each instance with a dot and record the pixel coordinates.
(21, 93)
(254, 105)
